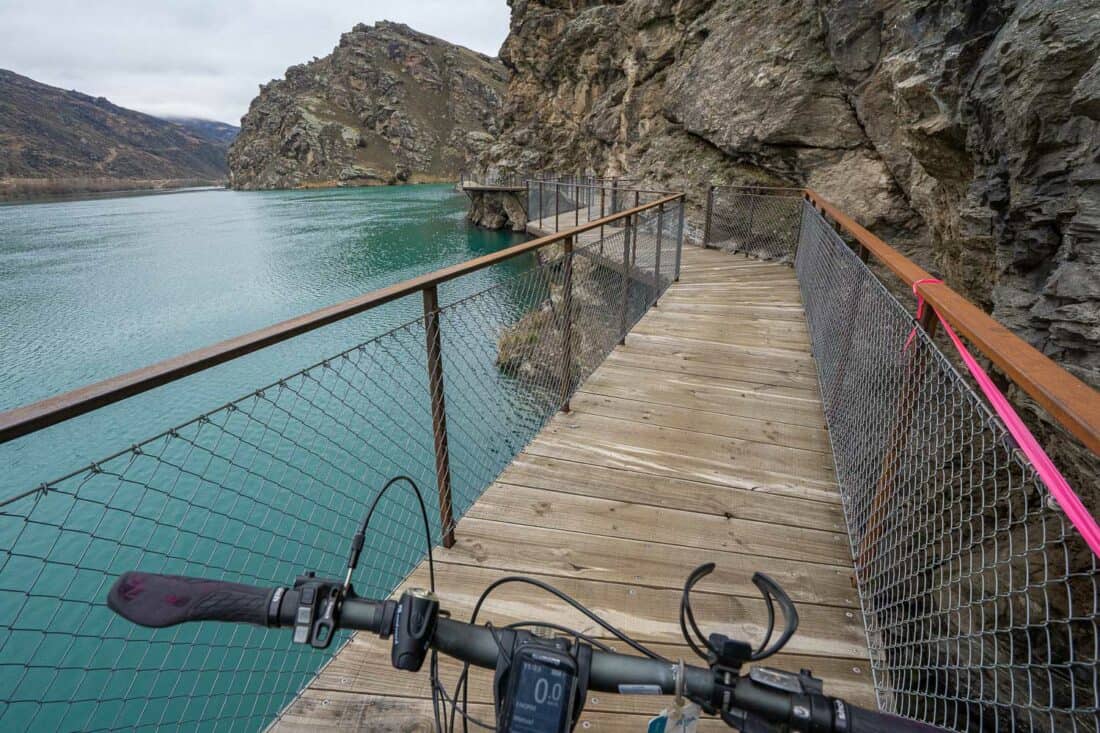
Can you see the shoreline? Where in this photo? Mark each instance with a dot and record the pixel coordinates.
(415, 180)
(30, 190)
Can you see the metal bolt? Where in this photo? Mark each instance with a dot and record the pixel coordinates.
(857, 670)
(586, 724)
(595, 701)
(849, 614)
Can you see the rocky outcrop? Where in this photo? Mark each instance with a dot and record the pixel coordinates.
(498, 209)
(388, 105)
(54, 135)
(967, 133)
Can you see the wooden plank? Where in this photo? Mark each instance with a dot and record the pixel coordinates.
(763, 293)
(712, 352)
(748, 300)
(696, 263)
(764, 327)
(791, 315)
(628, 356)
(737, 279)
(660, 443)
(726, 293)
(544, 472)
(712, 423)
(639, 460)
(696, 257)
(647, 614)
(366, 670)
(513, 547)
(685, 455)
(541, 508)
(706, 257)
(722, 292)
(776, 391)
(720, 329)
(724, 397)
(735, 274)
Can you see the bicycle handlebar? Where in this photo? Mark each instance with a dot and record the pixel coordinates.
(166, 600)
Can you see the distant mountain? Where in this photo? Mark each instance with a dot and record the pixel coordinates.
(219, 133)
(50, 133)
(388, 105)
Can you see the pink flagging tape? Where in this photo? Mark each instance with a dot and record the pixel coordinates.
(1048, 473)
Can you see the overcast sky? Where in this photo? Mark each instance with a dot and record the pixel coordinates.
(206, 58)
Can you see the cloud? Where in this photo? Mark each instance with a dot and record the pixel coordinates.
(207, 58)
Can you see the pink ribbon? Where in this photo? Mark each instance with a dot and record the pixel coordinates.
(1048, 473)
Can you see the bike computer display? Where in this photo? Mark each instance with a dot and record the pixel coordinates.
(539, 696)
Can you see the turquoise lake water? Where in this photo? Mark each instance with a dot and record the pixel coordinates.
(95, 288)
(257, 493)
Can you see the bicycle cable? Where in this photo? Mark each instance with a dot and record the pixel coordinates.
(353, 561)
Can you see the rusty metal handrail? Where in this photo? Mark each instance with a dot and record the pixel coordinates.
(27, 419)
(1071, 402)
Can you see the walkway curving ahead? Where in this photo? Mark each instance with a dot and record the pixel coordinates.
(565, 220)
(702, 439)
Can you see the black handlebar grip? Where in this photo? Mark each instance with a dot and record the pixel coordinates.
(870, 721)
(157, 601)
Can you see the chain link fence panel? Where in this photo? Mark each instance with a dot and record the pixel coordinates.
(760, 222)
(979, 597)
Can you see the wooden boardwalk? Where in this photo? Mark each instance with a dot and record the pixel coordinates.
(566, 220)
(702, 439)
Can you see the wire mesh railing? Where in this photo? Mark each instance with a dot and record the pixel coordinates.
(275, 483)
(759, 221)
(979, 597)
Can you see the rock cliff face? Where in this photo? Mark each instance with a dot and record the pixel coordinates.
(388, 105)
(966, 132)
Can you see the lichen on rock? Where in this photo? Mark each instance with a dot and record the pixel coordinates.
(965, 133)
(388, 105)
